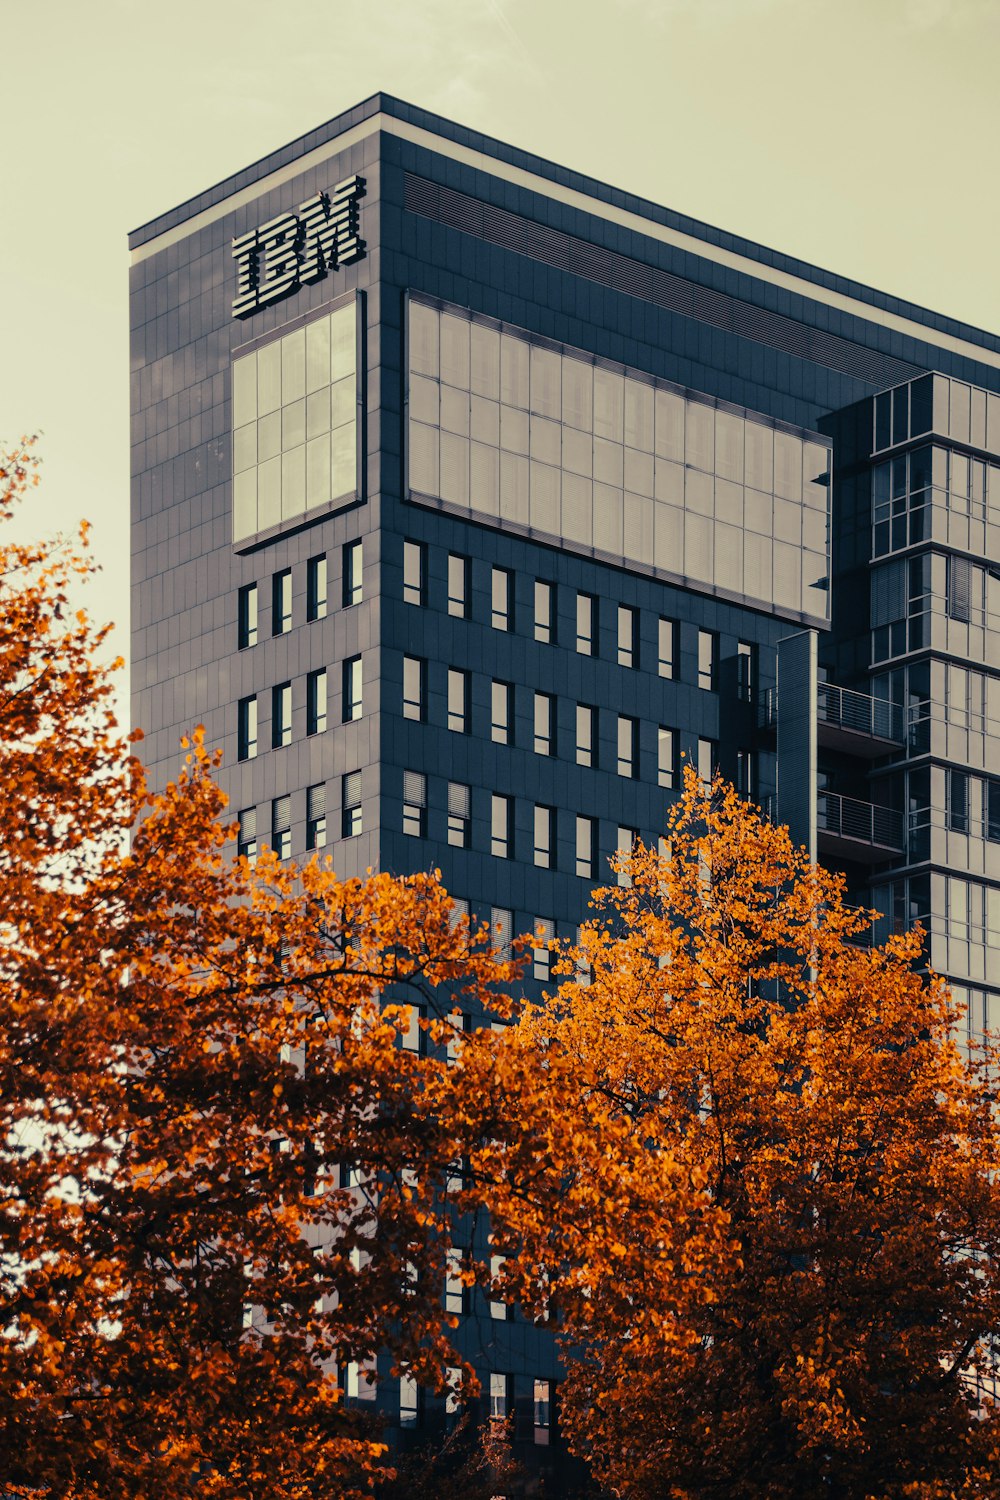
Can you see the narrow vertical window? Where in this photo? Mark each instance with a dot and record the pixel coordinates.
(628, 636)
(350, 794)
(316, 588)
(745, 773)
(628, 747)
(586, 624)
(586, 845)
(247, 616)
(586, 734)
(706, 762)
(498, 1309)
(281, 826)
(500, 826)
(459, 814)
(415, 804)
(316, 701)
(666, 757)
(458, 586)
(545, 724)
(667, 647)
(413, 572)
(281, 602)
(316, 816)
(499, 1396)
(353, 572)
(542, 1412)
(544, 840)
(707, 659)
(246, 728)
(414, 688)
(991, 796)
(281, 715)
(501, 930)
(409, 1401)
(958, 800)
(500, 705)
(501, 599)
(455, 1290)
(352, 689)
(458, 700)
(959, 588)
(541, 955)
(545, 612)
(745, 674)
(627, 840)
(246, 844)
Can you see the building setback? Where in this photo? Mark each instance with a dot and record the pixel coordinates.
(472, 498)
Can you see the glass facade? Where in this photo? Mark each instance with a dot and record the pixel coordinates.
(546, 438)
(295, 423)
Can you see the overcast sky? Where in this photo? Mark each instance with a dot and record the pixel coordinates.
(861, 135)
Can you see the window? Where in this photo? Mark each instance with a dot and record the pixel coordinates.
(281, 826)
(409, 1401)
(745, 673)
(500, 700)
(498, 1309)
(745, 773)
(414, 688)
(545, 724)
(281, 602)
(453, 1400)
(499, 1396)
(246, 844)
(586, 734)
(316, 701)
(958, 800)
(411, 1038)
(545, 612)
(544, 825)
(586, 846)
(706, 660)
(959, 588)
(316, 816)
(246, 627)
(281, 715)
(458, 1025)
(352, 689)
(458, 700)
(351, 819)
(246, 728)
(501, 929)
(666, 757)
(627, 839)
(501, 599)
(628, 636)
(361, 1380)
(541, 956)
(455, 1290)
(458, 586)
(542, 1407)
(316, 588)
(500, 826)
(414, 570)
(586, 624)
(459, 817)
(628, 746)
(706, 762)
(415, 804)
(667, 647)
(991, 797)
(353, 572)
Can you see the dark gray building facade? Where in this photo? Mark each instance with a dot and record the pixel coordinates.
(472, 498)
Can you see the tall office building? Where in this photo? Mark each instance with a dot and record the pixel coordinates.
(473, 498)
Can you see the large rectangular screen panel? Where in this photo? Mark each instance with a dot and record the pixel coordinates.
(550, 441)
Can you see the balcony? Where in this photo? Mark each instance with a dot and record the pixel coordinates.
(850, 829)
(847, 720)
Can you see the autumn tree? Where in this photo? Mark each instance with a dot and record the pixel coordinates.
(222, 1180)
(740, 1159)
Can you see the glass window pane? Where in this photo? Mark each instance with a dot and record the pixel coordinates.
(344, 342)
(423, 348)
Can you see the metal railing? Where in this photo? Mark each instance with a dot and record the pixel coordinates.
(860, 822)
(846, 709)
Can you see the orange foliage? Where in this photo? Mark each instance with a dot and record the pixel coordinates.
(752, 1173)
(219, 1172)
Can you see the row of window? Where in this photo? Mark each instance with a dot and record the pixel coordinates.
(545, 617)
(317, 595)
(361, 1385)
(251, 835)
(281, 708)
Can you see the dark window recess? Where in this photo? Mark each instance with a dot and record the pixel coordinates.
(247, 839)
(458, 586)
(316, 816)
(414, 571)
(415, 804)
(281, 602)
(316, 701)
(316, 588)
(351, 804)
(958, 800)
(246, 728)
(545, 612)
(353, 573)
(959, 588)
(352, 696)
(281, 826)
(459, 814)
(502, 599)
(281, 715)
(247, 616)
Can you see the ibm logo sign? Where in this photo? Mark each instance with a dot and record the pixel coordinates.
(297, 248)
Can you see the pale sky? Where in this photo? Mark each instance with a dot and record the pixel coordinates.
(860, 135)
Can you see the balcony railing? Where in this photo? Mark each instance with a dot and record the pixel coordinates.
(843, 708)
(847, 821)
